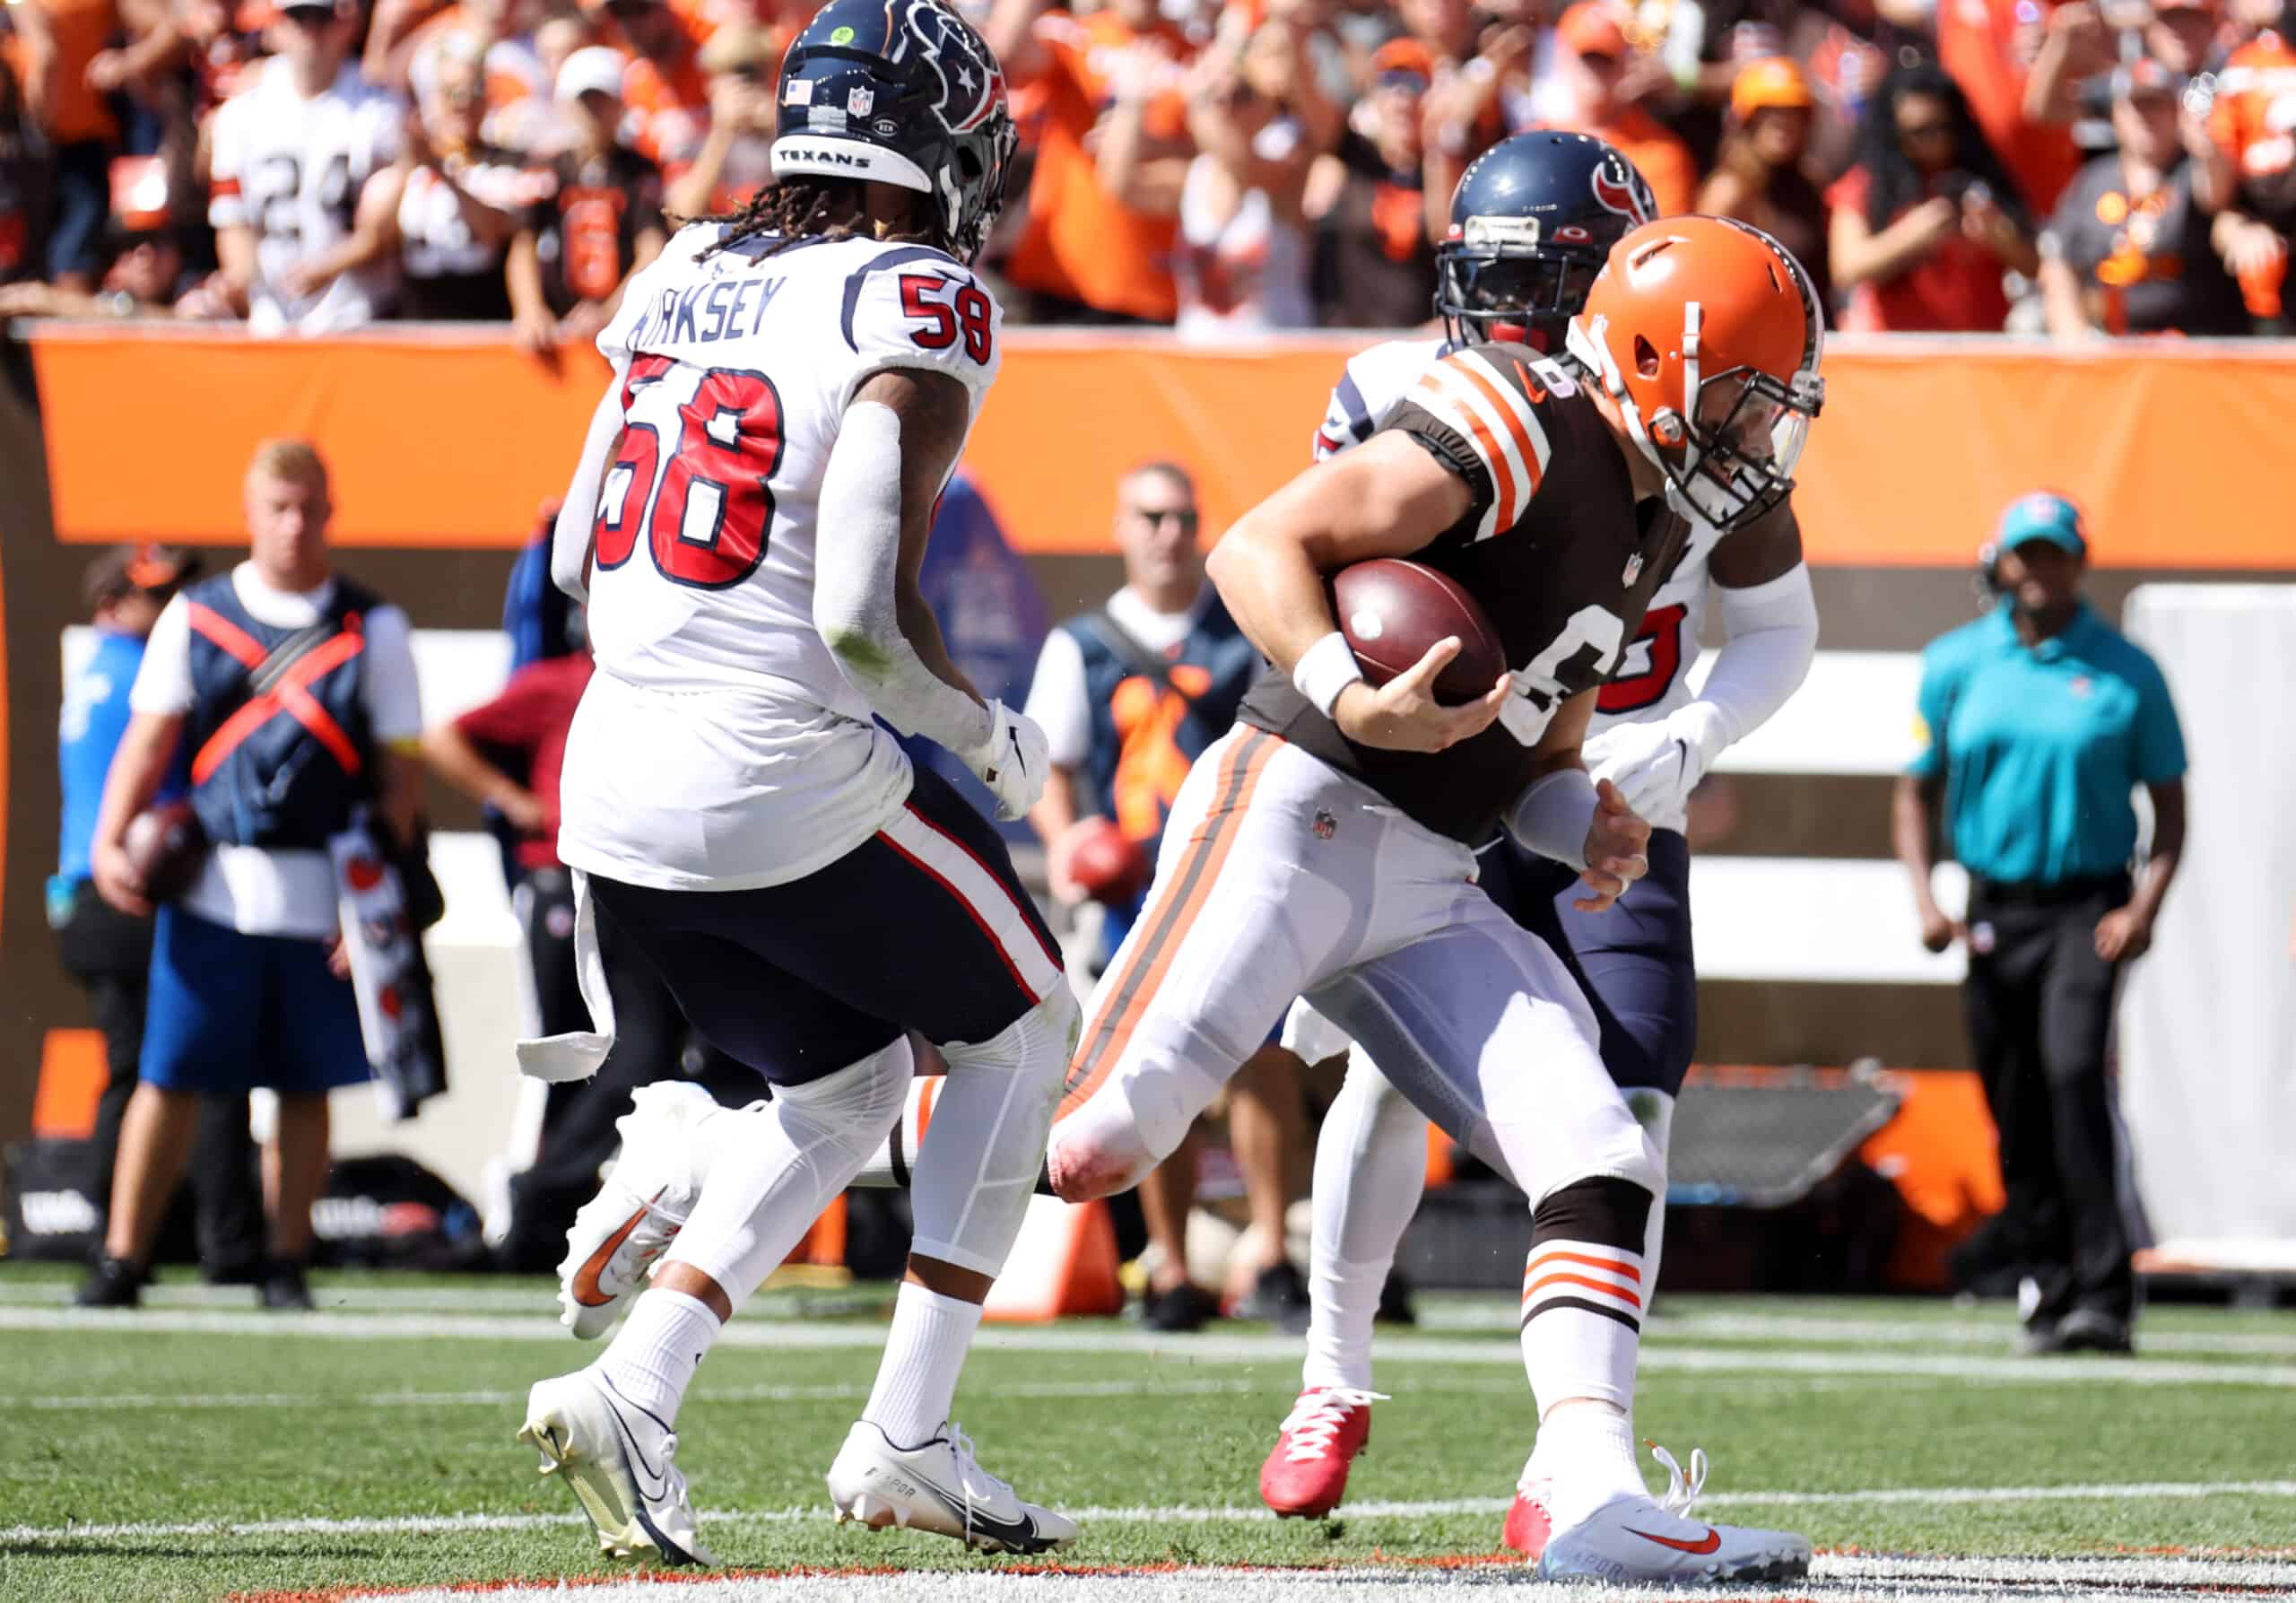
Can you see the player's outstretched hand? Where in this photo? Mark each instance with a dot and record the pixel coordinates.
(1618, 846)
(1403, 715)
(1015, 762)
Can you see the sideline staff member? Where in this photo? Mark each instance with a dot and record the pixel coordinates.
(2037, 722)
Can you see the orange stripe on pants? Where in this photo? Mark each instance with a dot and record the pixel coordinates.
(1169, 918)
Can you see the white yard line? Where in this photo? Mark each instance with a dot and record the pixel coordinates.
(1448, 1315)
(829, 1392)
(1180, 1514)
(1976, 1330)
(1837, 1581)
(1661, 1357)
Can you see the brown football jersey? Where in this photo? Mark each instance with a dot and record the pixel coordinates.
(1554, 547)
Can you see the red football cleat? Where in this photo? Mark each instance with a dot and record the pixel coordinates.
(1306, 1471)
(1528, 1521)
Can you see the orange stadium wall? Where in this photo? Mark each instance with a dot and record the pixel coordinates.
(442, 444)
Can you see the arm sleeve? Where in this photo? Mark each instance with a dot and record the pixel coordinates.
(389, 688)
(1933, 707)
(163, 681)
(913, 307)
(2160, 737)
(1058, 701)
(857, 589)
(1771, 632)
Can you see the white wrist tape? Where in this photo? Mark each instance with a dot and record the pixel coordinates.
(1324, 670)
(1552, 816)
(856, 587)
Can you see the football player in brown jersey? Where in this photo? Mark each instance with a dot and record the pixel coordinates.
(1326, 846)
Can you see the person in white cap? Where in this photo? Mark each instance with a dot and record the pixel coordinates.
(599, 219)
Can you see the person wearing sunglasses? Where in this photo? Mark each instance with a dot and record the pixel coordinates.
(1128, 695)
(1926, 223)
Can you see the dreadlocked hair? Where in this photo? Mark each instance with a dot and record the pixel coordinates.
(809, 206)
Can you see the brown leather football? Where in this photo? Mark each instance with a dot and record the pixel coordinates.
(165, 845)
(1392, 612)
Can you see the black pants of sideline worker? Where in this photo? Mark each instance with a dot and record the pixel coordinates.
(108, 955)
(2039, 1006)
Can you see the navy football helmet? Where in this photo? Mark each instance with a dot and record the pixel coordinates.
(1532, 222)
(900, 91)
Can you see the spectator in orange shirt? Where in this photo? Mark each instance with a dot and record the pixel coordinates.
(1594, 64)
(67, 74)
(2016, 61)
(1763, 175)
(665, 96)
(2253, 122)
(1094, 251)
(1925, 222)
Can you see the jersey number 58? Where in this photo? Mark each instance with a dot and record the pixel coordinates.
(947, 316)
(705, 505)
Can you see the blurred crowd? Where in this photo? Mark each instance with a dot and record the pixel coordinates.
(2086, 168)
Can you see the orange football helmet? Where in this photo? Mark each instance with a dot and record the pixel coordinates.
(1706, 334)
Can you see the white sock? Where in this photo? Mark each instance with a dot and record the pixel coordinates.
(658, 1348)
(1371, 1168)
(1586, 1450)
(1344, 1300)
(925, 1352)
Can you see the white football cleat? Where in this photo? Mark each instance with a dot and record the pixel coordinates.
(1639, 1540)
(619, 1233)
(616, 1456)
(938, 1487)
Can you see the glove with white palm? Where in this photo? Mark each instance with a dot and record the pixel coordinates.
(1013, 761)
(1658, 763)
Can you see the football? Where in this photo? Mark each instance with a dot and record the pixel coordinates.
(1107, 864)
(1392, 610)
(165, 845)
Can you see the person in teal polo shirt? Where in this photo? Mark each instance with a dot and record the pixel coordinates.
(2037, 722)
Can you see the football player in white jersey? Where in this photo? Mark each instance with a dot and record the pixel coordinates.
(1531, 223)
(792, 388)
(292, 154)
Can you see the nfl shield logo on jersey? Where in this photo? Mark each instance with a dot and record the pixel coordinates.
(1633, 568)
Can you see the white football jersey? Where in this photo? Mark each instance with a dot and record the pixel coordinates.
(290, 169)
(1653, 676)
(719, 745)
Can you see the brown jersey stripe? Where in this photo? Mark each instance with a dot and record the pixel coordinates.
(1169, 918)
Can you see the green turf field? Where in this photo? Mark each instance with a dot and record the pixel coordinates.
(211, 1449)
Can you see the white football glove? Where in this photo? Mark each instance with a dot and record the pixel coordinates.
(1013, 762)
(1656, 764)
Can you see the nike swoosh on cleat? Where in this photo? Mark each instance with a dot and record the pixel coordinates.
(1709, 1544)
(629, 1444)
(1020, 1533)
(585, 1284)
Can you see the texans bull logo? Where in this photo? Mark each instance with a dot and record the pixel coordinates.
(1618, 188)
